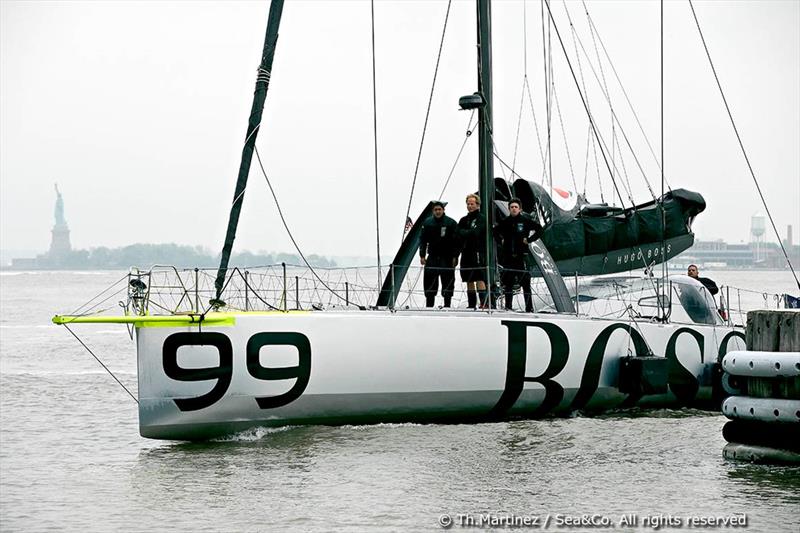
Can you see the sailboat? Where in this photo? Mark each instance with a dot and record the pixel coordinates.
(220, 367)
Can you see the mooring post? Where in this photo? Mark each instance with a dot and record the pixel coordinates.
(763, 409)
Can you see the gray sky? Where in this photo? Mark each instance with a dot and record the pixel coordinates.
(138, 110)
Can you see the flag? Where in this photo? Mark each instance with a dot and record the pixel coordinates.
(409, 225)
(791, 302)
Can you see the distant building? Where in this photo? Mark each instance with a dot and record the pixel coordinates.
(757, 254)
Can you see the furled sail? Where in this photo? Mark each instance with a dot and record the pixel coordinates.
(593, 239)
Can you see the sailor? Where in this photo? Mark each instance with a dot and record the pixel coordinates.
(708, 283)
(472, 233)
(514, 233)
(439, 242)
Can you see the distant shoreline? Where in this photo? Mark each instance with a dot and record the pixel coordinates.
(123, 258)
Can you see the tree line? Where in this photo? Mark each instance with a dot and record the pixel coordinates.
(146, 255)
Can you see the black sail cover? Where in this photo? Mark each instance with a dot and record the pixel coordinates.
(593, 239)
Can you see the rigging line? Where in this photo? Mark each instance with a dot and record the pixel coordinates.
(586, 161)
(535, 122)
(546, 91)
(566, 146)
(636, 159)
(101, 364)
(458, 157)
(600, 66)
(411, 287)
(664, 269)
(286, 227)
(519, 119)
(624, 92)
(573, 33)
(375, 139)
(597, 165)
(623, 176)
(741, 145)
(550, 90)
(506, 165)
(91, 310)
(525, 37)
(575, 46)
(626, 181)
(583, 100)
(239, 196)
(614, 116)
(76, 311)
(427, 113)
(494, 151)
(616, 120)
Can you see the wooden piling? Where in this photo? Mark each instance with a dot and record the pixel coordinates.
(767, 441)
(775, 330)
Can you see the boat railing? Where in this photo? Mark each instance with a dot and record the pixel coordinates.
(737, 301)
(167, 290)
(286, 287)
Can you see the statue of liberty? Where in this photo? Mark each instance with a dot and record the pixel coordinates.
(60, 246)
(61, 222)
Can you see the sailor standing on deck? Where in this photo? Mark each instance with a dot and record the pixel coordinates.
(514, 233)
(472, 232)
(439, 242)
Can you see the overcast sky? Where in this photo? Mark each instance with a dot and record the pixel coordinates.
(139, 109)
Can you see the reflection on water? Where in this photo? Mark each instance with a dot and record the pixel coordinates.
(766, 481)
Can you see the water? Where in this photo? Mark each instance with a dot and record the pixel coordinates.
(71, 457)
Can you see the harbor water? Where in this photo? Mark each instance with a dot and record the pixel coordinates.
(71, 457)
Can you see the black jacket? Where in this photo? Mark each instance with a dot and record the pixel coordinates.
(512, 230)
(439, 238)
(472, 233)
(709, 285)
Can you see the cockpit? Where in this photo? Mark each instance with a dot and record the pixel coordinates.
(686, 301)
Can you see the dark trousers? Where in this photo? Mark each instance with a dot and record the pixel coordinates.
(435, 268)
(515, 271)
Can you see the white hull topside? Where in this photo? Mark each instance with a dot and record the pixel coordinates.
(351, 367)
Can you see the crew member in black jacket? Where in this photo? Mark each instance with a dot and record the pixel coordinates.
(514, 233)
(708, 283)
(440, 242)
(472, 233)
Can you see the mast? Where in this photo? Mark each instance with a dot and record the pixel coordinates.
(259, 96)
(486, 157)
